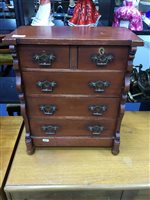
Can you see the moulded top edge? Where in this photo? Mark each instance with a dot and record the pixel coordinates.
(73, 36)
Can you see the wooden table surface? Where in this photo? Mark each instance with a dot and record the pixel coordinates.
(88, 168)
(9, 130)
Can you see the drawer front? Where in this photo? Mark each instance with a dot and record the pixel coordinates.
(73, 106)
(102, 58)
(43, 57)
(56, 127)
(73, 141)
(75, 82)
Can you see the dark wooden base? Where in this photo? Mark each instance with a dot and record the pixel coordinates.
(98, 143)
(116, 145)
(30, 151)
(115, 149)
(29, 144)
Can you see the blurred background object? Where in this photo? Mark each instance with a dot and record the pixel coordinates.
(139, 85)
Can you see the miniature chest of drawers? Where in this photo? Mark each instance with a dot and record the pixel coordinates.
(73, 83)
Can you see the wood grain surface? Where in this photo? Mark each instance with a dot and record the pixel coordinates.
(75, 36)
(88, 168)
(9, 130)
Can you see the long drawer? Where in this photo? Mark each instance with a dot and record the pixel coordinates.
(74, 82)
(72, 106)
(60, 127)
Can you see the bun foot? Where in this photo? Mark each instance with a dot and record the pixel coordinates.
(29, 144)
(115, 151)
(115, 148)
(30, 151)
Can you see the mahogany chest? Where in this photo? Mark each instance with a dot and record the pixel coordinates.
(72, 83)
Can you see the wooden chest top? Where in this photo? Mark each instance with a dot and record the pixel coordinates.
(73, 36)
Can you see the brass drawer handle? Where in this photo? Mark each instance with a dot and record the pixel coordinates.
(48, 109)
(96, 129)
(50, 129)
(44, 60)
(46, 86)
(99, 86)
(101, 58)
(98, 110)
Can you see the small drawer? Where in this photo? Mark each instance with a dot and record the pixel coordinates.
(72, 106)
(43, 57)
(102, 57)
(74, 82)
(59, 127)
